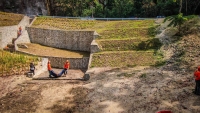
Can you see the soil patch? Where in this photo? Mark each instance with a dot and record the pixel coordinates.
(146, 90)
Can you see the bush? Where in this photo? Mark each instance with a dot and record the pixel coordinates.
(142, 45)
(154, 43)
(152, 31)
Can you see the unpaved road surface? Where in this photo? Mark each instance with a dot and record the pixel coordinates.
(109, 90)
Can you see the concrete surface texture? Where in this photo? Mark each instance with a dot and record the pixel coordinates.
(72, 40)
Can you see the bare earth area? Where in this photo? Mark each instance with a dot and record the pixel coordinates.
(110, 90)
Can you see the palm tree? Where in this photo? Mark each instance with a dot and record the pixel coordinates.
(176, 20)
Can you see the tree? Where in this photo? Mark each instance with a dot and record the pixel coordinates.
(137, 7)
(176, 20)
(166, 8)
(181, 4)
(98, 9)
(121, 8)
(107, 5)
(149, 8)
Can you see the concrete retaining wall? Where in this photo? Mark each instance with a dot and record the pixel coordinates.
(7, 34)
(72, 40)
(24, 37)
(10, 32)
(94, 47)
(75, 63)
(58, 62)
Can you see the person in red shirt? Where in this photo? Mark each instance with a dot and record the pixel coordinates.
(197, 80)
(66, 68)
(51, 72)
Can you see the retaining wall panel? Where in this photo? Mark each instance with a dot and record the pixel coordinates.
(72, 40)
(75, 63)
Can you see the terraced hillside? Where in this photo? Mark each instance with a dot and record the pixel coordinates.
(123, 43)
(9, 19)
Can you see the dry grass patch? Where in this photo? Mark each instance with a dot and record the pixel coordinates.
(62, 23)
(120, 45)
(123, 59)
(40, 50)
(121, 33)
(9, 19)
(77, 24)
(106, 29)
(129, 44)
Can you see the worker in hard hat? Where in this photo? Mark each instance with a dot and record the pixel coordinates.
(65, 69)
(51, 72)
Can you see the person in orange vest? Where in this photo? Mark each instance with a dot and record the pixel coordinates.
(19, 32)
(52, 74)
(197, 80)
(20, 29)
(66, 68)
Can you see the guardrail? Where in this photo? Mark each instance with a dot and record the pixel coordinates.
(92, 18)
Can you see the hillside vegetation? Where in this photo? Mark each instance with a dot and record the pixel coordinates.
(129, 41)
(9, 19)
(14, 63)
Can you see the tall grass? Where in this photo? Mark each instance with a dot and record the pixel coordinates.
(14, 63)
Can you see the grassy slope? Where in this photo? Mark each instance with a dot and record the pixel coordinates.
(120, 38)
(9, 19)
(123, 59)
(15, 62)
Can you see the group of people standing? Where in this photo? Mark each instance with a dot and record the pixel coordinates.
(52, 74)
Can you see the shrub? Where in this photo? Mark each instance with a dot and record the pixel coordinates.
(154, 43)
(142, 45)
